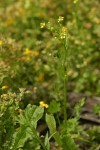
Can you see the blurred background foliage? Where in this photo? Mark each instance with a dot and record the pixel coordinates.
(27, 53)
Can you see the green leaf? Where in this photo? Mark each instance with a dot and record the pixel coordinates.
(47, 144)
(31, 115)
(28, 122)
(54, 107)
(51, 123)
(52, 127)
(20, 138)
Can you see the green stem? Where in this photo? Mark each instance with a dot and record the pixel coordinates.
(65, 79)
(65, 101)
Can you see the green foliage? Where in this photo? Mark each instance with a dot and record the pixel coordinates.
(60, 57)
(20, 138)
(54, 107)
(68, 143)
(52, 127)
(9, 110)
(46, 142)
(28, 123)
(78, 107)
(64, 140)
(94, 137)
(31, 115)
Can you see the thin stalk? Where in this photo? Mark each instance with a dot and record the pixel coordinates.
(65, 101)
(65, 82)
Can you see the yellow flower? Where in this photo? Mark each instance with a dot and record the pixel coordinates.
(27, 51)
(43, 104)
(64, 29)
(63, 33)
(60, 19)
(75, 1)
(42, 25)
(1, 42)
(46, 106)
(4, 87)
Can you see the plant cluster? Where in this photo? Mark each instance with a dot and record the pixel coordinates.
(47, 49)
